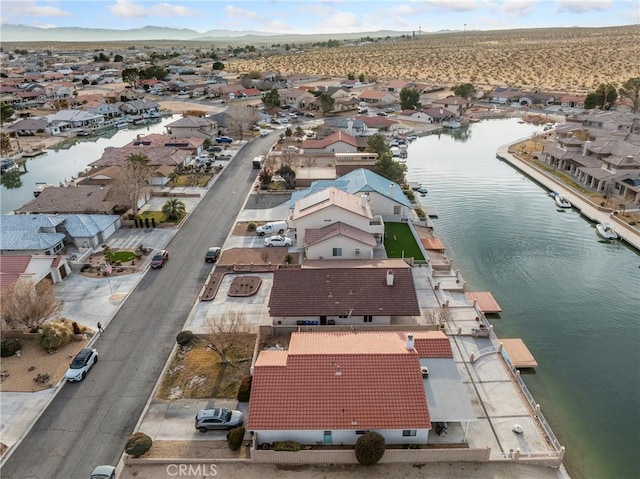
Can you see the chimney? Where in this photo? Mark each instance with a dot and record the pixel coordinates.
(585, 147)
(389, 277)
(410, 342)
(391, 189)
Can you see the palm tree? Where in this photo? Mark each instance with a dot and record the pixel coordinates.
(174, 209)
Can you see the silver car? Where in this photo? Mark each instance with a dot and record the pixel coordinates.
(278, 241)
(218, 418)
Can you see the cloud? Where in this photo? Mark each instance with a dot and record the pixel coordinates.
(453, 5)
(518, 7)
(277, 26)
(232, 11)
(31, 8)
(583, 6)
(128, 9)
(343, 20)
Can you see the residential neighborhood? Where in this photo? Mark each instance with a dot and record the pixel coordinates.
(347, 323)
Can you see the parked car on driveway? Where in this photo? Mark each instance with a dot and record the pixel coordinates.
(224, 139)
(218, 418)
(159, 259)
(212, 254)
(81, 364)
(214, 148)
(278, 241)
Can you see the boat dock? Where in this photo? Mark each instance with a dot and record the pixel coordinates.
(518, 353)
(486, 302)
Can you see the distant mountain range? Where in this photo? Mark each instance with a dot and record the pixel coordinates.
(24, 33)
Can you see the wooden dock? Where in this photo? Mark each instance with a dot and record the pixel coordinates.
(432, 244)
(486, 302)
(519, 354)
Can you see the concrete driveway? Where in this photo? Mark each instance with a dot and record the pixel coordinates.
(175, 420)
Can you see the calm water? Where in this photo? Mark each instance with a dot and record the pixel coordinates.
(573, 299)
(59, 165)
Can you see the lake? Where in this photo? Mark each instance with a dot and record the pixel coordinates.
(573, 298)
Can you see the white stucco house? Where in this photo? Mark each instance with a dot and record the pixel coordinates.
(329, 388)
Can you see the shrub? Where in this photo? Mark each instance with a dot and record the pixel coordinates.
(55, 334)
(235, 437)
(8, 347)
(251, 226)
(421, 214)
(370, 448)
(290, 446)
(244, 391)
(185, 338)
(137, 444)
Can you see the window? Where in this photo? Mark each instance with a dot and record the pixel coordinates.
(368, 319)
(337, 251)
(409, 432)
(357, 251)
(360, 433)
(396, 210)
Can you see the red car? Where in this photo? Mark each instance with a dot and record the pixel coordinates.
(159, 259)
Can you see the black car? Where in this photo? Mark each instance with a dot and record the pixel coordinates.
(212, 254)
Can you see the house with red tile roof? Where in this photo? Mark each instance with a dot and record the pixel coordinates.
(339, 142)
(14, 268)
(332, 387)
(377, 96)
(370, 294)
(356, 227)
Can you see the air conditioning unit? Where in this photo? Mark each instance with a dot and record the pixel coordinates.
(331, 322)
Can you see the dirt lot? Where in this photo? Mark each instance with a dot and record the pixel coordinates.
(34, 360)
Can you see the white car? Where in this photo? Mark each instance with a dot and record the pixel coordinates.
(81, 364)
(278, 241)
(103, 472)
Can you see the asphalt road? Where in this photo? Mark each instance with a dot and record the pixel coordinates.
(88, 423)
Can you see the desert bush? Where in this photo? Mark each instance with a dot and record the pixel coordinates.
(42, 378)
(370, 448)
(55, 334)
(244, 391)
(137, 444)
(8, 347)
(235, 437)
(290, 446)
(185, 338)
(251, 226)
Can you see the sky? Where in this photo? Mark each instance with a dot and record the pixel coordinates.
(321, 16)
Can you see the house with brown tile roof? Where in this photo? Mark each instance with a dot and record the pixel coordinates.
(331, 206)
(158, 155)
(455, 104)
(349, 296)
(86, 199)
(332, 387)
(350, 241)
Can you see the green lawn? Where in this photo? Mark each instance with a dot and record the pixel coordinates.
(123, 256)
(400, 243)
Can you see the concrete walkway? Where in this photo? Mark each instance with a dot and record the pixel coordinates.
(587, 208)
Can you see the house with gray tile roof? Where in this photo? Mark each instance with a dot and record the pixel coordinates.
(49, 234)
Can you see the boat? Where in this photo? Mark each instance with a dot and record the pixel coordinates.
(452, 125)
(561, 201)
(420, 189)
(7, 165)
(39, 188)
(83, 133)
(474, 120)
(122, 124)
(606, 230)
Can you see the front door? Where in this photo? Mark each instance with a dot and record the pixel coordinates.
(323, 320)
(327, 439)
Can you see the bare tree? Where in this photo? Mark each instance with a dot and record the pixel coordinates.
(438, 316)
(289, 158)
(240, 118)
(229, 332)
(27, 304)
(133, 180)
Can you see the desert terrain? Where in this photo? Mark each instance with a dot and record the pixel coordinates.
(572, 60)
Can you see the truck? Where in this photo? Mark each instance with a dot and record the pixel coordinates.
(272, 227)
(257, 162)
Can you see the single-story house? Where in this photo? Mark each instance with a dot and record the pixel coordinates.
(370, 294)
(329, 388)
(85, 199)
(48, 234)
(193, 126)
(428, 115)
(377, 96)
(14, 268)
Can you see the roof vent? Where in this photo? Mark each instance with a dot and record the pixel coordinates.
(389, 277)
(424, 371)
(410, 342)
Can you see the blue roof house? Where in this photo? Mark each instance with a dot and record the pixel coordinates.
(385, 197)
(49, 234)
